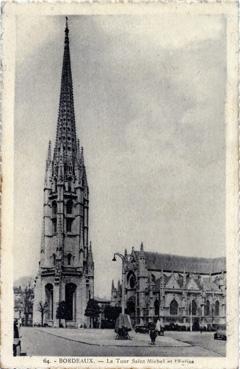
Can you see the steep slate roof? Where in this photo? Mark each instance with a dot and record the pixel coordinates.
(156, 261)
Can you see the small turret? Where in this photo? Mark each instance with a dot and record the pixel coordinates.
(78, 151)
(90, 260)
(48, 173)
(184, 278)
(162, 280)
(119, 288)
(49, 155)
(142, 266)
(81, 156)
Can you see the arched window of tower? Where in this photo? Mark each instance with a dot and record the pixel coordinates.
(217, 308)
(54, 216)
(70, 298)
(54, 223)
(69, 259)
(54, 209)
(49, 300)
(69, 206)
(69, 225)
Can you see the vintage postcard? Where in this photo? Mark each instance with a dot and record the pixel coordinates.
(120, 159)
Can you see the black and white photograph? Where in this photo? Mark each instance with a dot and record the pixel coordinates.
(120, 187)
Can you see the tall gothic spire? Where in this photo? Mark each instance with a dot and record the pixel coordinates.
(66, 130)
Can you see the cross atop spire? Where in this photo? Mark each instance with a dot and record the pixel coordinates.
(66, 130)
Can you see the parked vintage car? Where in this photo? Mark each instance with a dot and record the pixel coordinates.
(141, 329)
(220, 334)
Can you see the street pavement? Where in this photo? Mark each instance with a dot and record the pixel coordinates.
(97, 342)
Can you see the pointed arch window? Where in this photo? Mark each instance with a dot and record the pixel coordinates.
(69, 259)
(69, 205)
(131, 279)
(216, 308)
(174, 307)
(54, 216)
(69, 225)
(156, 307)
(54, 224)
(193, 308)
(69, 188)
(54, 209)
(207, 308)
(54, 259)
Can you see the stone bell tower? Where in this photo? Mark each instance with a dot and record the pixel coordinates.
(66, 267)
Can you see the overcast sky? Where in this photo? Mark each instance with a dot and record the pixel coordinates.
(149, 101)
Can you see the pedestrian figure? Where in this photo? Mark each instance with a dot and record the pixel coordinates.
(158, 327)
(16, 339)
(152, 333)
(161, 329)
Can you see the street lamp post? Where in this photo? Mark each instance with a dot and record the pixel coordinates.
(124, 259)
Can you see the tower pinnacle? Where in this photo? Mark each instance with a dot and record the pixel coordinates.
(66, 130)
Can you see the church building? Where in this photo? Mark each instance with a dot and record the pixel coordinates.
(66, 267)
(185, 293)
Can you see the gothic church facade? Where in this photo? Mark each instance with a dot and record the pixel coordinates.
(66, 267)
(187, 292)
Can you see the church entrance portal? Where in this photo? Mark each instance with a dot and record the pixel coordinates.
(195, 326)
(131, 309)
(70, 298)
(49, 300)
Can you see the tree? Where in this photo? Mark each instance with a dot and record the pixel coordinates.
(62, 311)
(92, 311)
(28, 303)
(43, 308)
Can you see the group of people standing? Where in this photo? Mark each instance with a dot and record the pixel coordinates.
(155, 330)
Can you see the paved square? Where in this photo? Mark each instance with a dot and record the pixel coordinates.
(97, 342)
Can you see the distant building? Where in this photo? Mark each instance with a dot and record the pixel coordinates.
(102, 303)
(66, 267)
(187, 291)
(23, 304)
(18, 302)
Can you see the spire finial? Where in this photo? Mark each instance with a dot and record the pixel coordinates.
(66, 26)
(66, 32)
